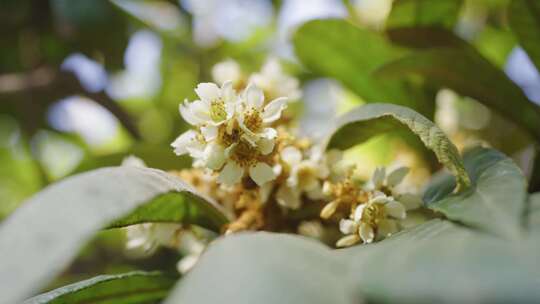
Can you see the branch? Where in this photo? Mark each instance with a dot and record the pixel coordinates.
(53, 84)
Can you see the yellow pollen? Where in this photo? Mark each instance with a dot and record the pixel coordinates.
(253, 120)
(373, 214)
(245, 154)
(217, 110)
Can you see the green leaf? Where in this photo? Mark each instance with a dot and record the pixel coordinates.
(128, 288)
(41, 237)
(436, 262)
(440, 262)
(496, 201)
(159, 15)
(338, 49)
(154, 156)
(454, 64)
(264, 268)
(369, 120)
(524, 19)
(534, 213)
(424, 12)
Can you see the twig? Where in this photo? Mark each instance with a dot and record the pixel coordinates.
(53, 84)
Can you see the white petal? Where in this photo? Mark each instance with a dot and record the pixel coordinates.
(201, 111)
(187, 263)
(266, 146)
(214, 156)
(378, 177)
(291, 155)
(269, 133)
(359, 212)
(395, 209)
(188, 116)
(208, 91)
(254, 96)
(231, 174)
(209, 132)
(366, 233)
(228, 70)
(272, 111)
(227, 91)
(181, 143)
(396, 176)
(410, 201)
(386, 228)
(288, 197)
(261, 173)
(380, 198)
(347, 226)
(348, 240)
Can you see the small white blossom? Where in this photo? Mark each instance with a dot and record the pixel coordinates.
(382, 181)
(371, 220)
(148, 237)
(275, 82)
(228, 70)
(305, 176)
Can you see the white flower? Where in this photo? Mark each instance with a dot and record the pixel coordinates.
(149, 236)
(260, 172)
(228, 70)
(380, 181)
(305, 176)
(192, 248)
(275, 82)
(254, 117)
(231, 135)
(215, 106)
(372, 220)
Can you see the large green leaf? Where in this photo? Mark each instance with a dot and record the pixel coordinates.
(496, 201)
(534, 212)
(424, 12)
(350, 54)
(524, 18)
(128, 288)
(264, 268)
(440, 262)
(436, 262)
(369, 120)
(454, 64)
(41, 237)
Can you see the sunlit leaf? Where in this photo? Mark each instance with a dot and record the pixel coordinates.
(424, 12)
(454, 64)
(524, 18)
(336, 48)
(157, 14)
(128, 288)
(41, 237)
(495, 202)
(369, 120)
